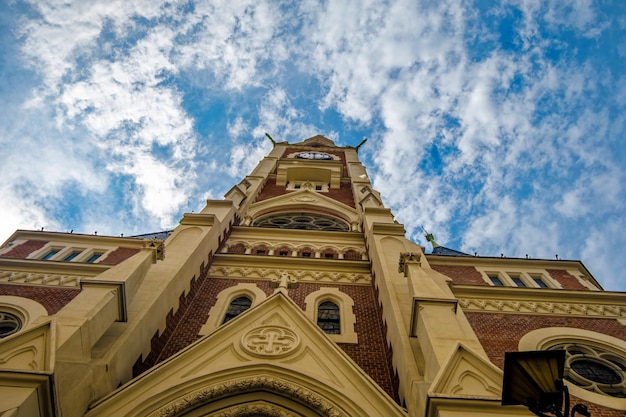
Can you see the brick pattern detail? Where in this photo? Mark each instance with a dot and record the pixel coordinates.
(23, 250)
(371, 353)
(499, 333)
(567, 281)
(172, 322)
(119, 255)
(239, 248)
(343, 194)
(463, 275)
(53, 299)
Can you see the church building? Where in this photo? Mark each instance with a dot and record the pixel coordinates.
(298, 294)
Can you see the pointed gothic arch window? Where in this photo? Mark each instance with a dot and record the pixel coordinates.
(329, 317)
(236, 307)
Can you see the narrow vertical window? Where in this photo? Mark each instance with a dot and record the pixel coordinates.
(540, 282)
(496, 281)
(518, 281)
(72, 255)
(50, 254)
(328, 317)
(93, 258)
(236, 307)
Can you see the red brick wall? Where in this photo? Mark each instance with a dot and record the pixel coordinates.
(23, 250)
(119, 255)
(461, 274)
(53, 299)
(499, 333)
(342, 194)
(371, 353)
(567, 281)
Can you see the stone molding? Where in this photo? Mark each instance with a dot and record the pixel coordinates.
(543, 307)
(272, 274)
(40, 278)
(280, 387)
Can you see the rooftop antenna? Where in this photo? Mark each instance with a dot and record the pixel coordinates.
(270, 138)
(429, 237)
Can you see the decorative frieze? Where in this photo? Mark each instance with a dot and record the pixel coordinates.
(36, 278)
(275, 275)
(542, 307)
(318, 404)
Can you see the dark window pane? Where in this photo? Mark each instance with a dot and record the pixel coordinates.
(50, 254)
(495, 280)
(518, 281)
(328, 317)
(236, 307)
(72, 256)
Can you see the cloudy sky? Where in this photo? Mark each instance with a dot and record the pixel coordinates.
(500, 128)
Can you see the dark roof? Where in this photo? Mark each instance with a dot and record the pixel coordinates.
(442, 250)
(159, 235)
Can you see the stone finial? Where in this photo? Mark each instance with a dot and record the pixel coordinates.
(283, 282)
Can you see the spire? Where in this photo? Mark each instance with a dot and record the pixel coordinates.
(429, 237)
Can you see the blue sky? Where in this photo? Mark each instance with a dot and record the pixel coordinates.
(498, 127)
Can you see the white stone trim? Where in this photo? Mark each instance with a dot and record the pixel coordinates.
(346, 311)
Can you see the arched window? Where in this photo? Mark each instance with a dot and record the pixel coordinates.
(9, 324)
(594, 368)
(329, 318)
(236, 307)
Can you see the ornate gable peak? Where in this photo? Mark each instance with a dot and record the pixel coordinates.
(318, 140)
(272, 347)
(467, 375)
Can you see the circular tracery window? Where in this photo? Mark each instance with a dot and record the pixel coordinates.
(9, 324)
(595, 369)
(303, 221)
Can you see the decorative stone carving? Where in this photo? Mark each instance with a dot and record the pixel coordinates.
(406, 257)
(284, 281)
(594, 310)
(270, 341)
(287, 389)
(274, 275)
(254, 410)
(52, 280)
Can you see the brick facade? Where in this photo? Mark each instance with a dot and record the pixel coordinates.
(371, 353)
(567, 281)
(462, 275)
(119, 255)
(23, 250)
(53, 299)
(343, 194)
(499, 333)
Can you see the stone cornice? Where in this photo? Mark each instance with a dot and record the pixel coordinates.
(128, 242)
(541, 301)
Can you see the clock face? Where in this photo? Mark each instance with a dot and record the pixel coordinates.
(314, 155)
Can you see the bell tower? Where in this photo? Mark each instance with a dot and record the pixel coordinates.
(298, 294)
